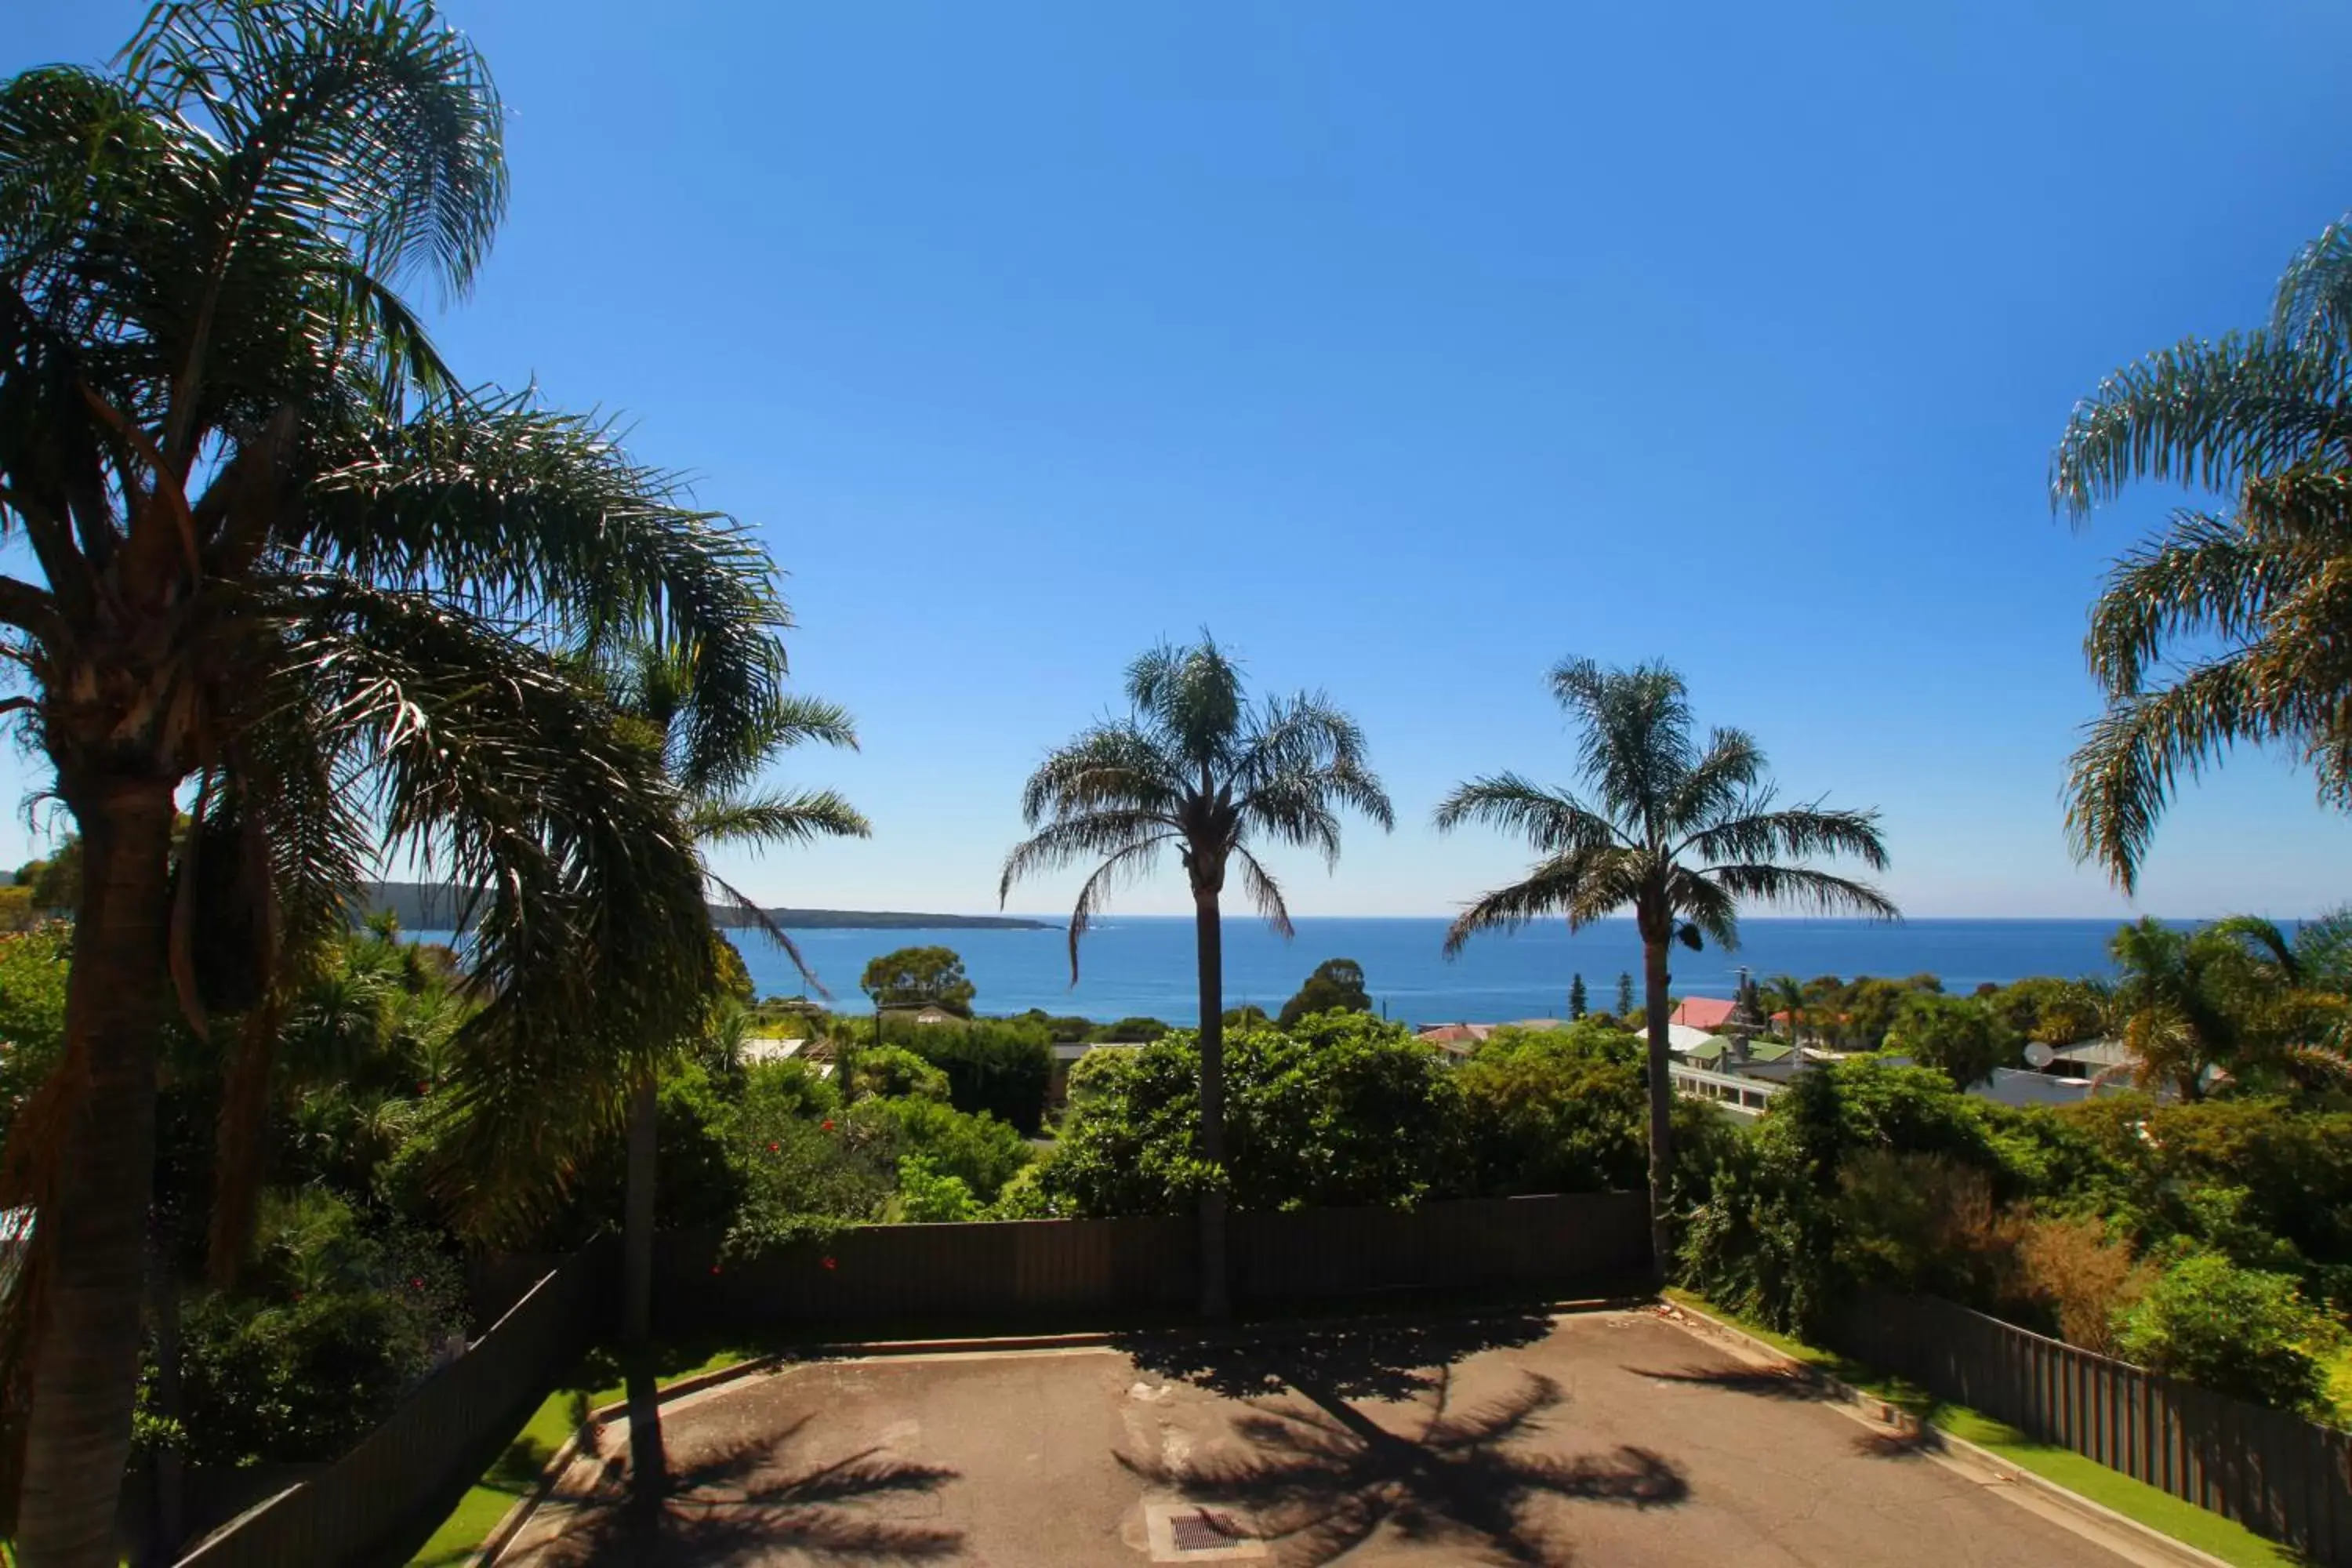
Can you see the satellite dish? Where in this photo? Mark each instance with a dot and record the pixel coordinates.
(2039, 1057)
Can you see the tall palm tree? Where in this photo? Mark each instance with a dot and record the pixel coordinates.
(1195, 766)
(2225, 627)
(1679, 834)
(286, 564)
(655, 685)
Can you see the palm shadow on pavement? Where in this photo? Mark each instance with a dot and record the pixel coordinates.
(1318, 1478)
(743, 1501)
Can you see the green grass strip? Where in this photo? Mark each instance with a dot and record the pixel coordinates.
(514, 1474)
(2159, 1510)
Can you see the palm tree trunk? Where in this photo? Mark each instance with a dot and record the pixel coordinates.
(85, 1367)
(1216, 1290)
(647, 1464)
(1662, 1101)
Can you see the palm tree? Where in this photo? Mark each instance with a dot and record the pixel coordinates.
(287, 563)
(655, 685)
(1679, 834)
(1195, 767)
(2224, 628)
(2236, 998)
(1786, 993)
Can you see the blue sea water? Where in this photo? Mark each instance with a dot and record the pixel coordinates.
(1143, 965)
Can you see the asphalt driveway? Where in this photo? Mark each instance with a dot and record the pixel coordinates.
(1604, 1439)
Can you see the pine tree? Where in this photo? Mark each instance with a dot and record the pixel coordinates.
(1576, 997)
(1624, 995)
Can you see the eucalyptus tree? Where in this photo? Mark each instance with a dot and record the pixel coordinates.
(288, 573)
(2226, 628)
(1195, 768)
(1678, 832)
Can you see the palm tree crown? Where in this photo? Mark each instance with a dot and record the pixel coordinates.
(1679, 833)
(2225, 627)
(1195, 767)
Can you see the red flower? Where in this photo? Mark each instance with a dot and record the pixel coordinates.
(828, 1263)
(416, 1283)
(774, 1147)
(828, 1124)
(714, 1268)
(423, 1087)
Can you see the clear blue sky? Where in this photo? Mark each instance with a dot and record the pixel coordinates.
(1412, 348)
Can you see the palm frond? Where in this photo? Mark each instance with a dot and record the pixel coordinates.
(1193, 695)
(1802, 887)
(1636, 744)
(775, 819)
(1552, 822)
(1264, 894)
(1125, 863)
(2130, 761)
(2206, 414)
(1760, 832)
(1581, 885)
(1113, 766)
(1073, 840)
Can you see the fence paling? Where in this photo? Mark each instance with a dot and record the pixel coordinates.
(2276, 1473)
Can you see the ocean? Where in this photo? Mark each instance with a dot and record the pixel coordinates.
(1143, 965)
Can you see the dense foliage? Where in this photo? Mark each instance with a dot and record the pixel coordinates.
(919, 977)
(1336, 987)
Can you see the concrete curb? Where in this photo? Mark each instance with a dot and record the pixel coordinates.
(2150, 1540)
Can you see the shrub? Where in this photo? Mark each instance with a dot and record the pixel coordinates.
(2078, 1279)
(2235, 1331)
(1001, 1066)
(340, 1322)
(1347, 1110)
(1963, 1038)
(1924, 1222)
(928, 1197)
(1554, 1110)
(33, 966)
(1130, 1031)
(979, 1151)
(895, 1071)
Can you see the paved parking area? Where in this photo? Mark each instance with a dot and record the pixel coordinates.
(1604, 1439)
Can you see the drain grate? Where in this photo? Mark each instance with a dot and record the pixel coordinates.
(1202, 1531)
(1188, 1532)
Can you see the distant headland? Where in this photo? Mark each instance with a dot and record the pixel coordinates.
(438, 906)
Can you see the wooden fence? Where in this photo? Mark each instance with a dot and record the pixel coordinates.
(377, 1504)
(2276, 1474)
(1032, 1270)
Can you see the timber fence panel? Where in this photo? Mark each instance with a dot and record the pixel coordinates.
(2277, 1474)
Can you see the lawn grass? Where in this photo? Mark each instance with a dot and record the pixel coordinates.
(2159, 1510)
(513, 1474)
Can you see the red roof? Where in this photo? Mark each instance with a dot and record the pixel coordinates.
(1701, 1013)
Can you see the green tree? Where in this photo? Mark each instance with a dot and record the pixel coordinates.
(2223, 630)
(2220, 998)
(1576, 997)
(919, 977)
(55, 883)
(2237, 1332)
(1681, 834)
(285, 558)
(1336, 987)
(1961, 1037)
(1196, 768)
(1624, 995)
(714, 758)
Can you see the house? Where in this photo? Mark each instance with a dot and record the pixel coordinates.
(1705, 1013)
(2089, 1058)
